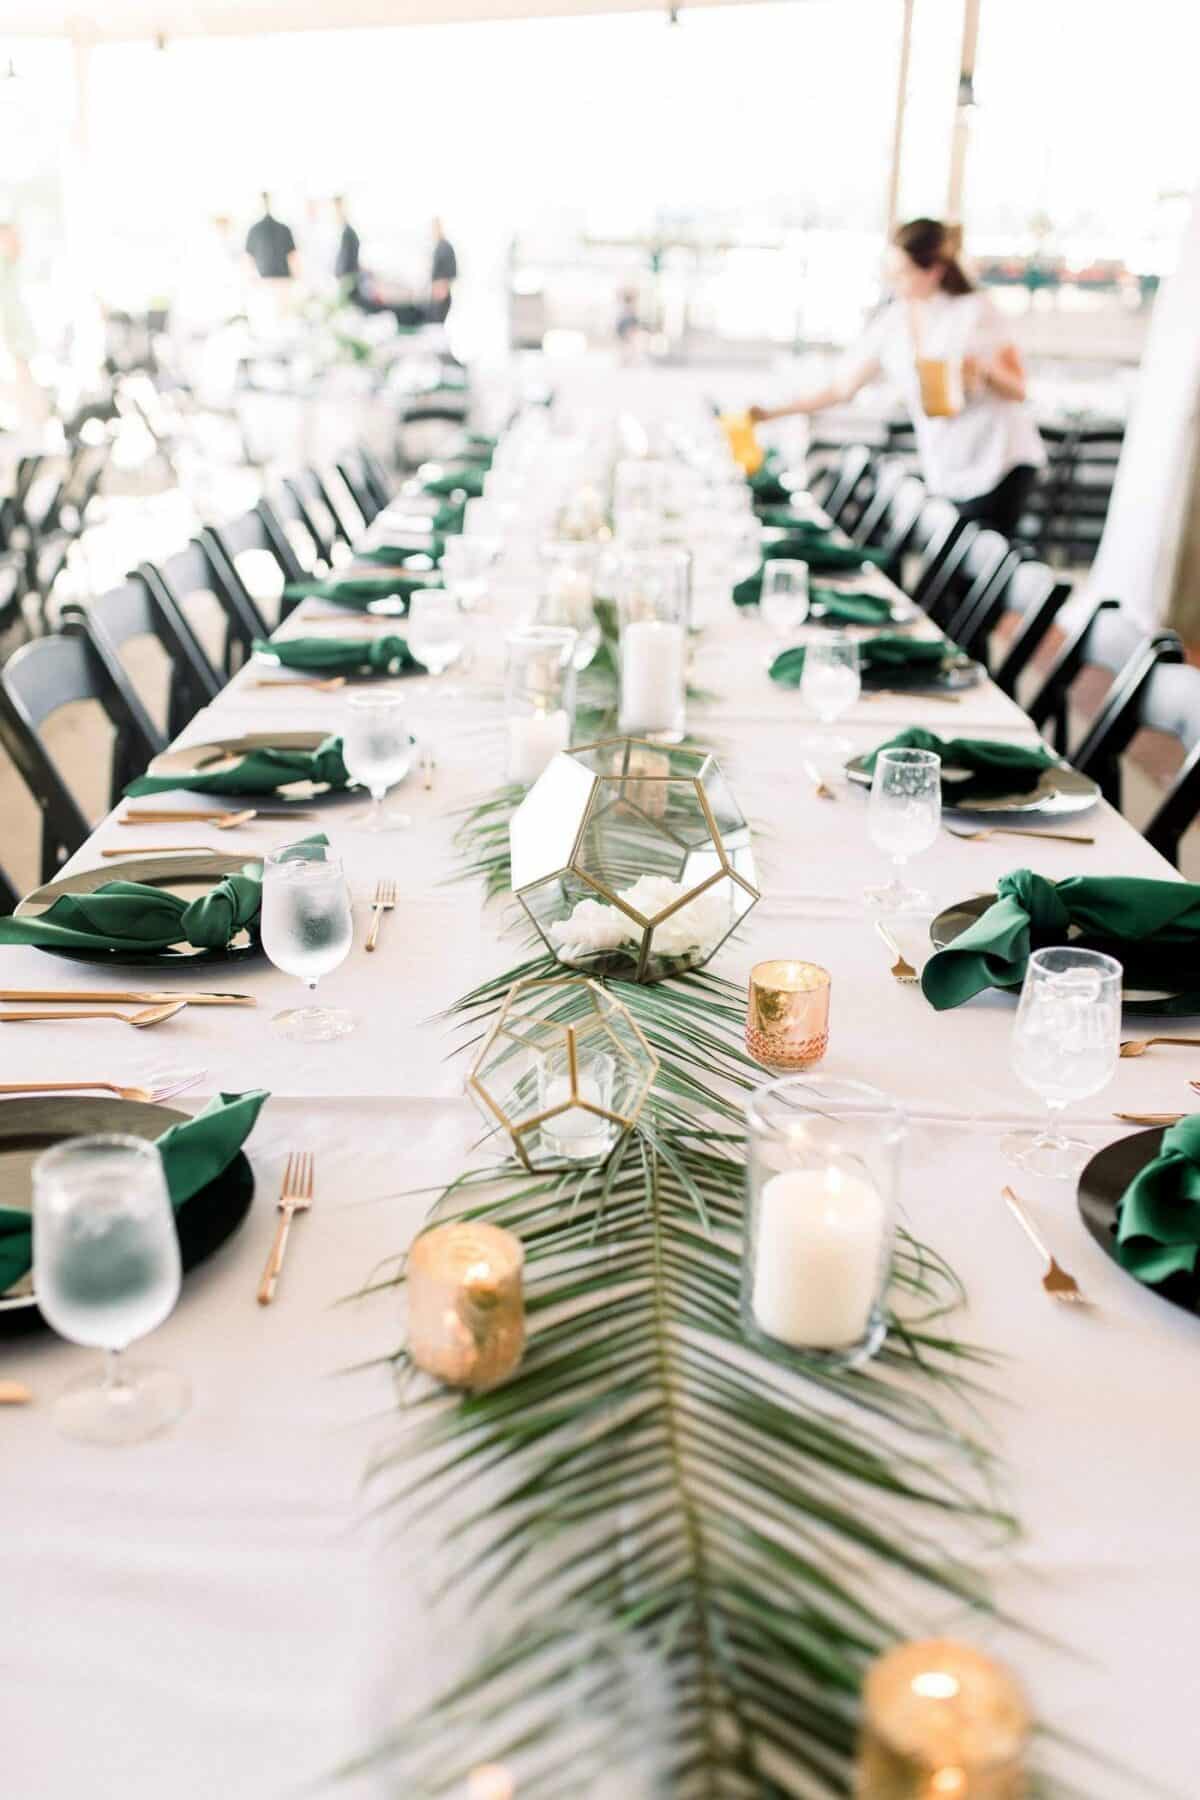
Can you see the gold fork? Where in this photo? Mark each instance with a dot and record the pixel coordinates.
(902, 969)
(820, 788)
(295, 1196)
(384, 901)
(1139, 1046)
(1056, 1281)
(328, 684)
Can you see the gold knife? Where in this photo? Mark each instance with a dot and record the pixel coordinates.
(147, 999)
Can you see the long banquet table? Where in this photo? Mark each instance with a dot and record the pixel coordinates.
(200, 1615)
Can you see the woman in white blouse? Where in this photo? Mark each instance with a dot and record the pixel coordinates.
(945, 347)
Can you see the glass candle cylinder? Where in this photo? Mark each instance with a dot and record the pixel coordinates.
(941, 1721)
(567, 594)
(787, 1013)
(652, 603)
(466, 1307)
(574, 1081)
(540, 698)
(824, 1159)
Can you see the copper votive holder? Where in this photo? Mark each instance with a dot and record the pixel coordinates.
(466, 1307)
(941, 1721)
(787, 1017)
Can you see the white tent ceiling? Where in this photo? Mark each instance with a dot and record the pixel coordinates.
(131, 19)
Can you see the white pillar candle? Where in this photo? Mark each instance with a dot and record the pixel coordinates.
(576, 1135)
(571, 591)
(817, 1256)
(532, 740)
(653, 664)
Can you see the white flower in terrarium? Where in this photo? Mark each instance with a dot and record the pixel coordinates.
(701, 924)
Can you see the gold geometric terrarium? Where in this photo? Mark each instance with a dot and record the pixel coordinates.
(632, 859)
(564, 1071)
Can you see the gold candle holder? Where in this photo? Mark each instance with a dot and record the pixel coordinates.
(787, 1017)
(466, 1308)
(941, 1721)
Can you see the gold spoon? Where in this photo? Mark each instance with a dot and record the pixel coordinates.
(149, 1015)
(1139, 1046)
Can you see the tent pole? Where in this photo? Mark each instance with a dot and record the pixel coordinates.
(965, 102)
(893, 191)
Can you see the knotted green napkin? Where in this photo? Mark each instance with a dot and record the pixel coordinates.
(449, 518)
(829, 558)
(994, 768)
(1158, 1222)
(1144, 924)
(849, 608)
(466, 478)
(342, 656)
(396, 553)
(194, 1153)
(765, 485)
(258, 772)
(877, 655)
(359, 590)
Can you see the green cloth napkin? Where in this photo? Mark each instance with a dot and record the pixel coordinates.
(994, 768)
(466, 479)
(259, 772)
(848, 608)
(1144, 924)
(342, 656)
(194, 1153)
(132, 915)
(824, 558)
(396, 553)
(786, 520)
(765, 484)
(449, 518)
(882, 654)
(1158, 1221)
(359, 590)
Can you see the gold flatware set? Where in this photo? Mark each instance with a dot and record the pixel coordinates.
(991, 831)
(1057, 1283)
(820, 787)
(902, 969)
(384, 901)
(326, 684)
(295, 1195)
(221, 821)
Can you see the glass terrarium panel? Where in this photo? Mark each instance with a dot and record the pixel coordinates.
(583, 928)
(689, 936)
(727, 814)
(508, 1074)
(545, 825)
(620, 844)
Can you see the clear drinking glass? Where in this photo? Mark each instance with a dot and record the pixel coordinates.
(539, 698)
(307, 931)
(567, 594)
(904, 817)
(822, 1178)
(435, 629)
(652, 606)
(784, 601)
(465, 566)
(377, 751)
(107, 1272)
(831, 681)
(1066, 1039)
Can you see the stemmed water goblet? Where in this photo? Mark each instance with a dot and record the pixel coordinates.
(1065, 1043)
(377, 752)
(783, 604)
(435, 629)
(904, 817)
(107, 1272)
(831, 683)
(307, 931)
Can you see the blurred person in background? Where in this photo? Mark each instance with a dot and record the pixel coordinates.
(949, 353)
(27, 402)
(443, 273)
(347, 266)
(271, 246)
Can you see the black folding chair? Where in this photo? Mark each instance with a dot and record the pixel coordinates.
(933, 536)
(294, 544)
(226, 547)
(307, 495)
(136, 611)
(889, 477)
(898, 521)
(849, 489)
(36, 681)
(8, 894)
(379, 483)
(1129, 708)
(351, 468)
(190, 579)
(1107, 639)
(1029, 592)
(972, 564)
(1170, 702)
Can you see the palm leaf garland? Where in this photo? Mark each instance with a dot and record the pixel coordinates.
(759, 1536)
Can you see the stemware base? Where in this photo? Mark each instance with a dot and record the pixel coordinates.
(1048, 1153)
(315, 1024)
(898, 897)
(139, 1403)
(372, 818)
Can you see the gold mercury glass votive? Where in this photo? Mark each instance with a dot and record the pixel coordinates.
(787, 1018)
(466, 1308)
(941, 1721)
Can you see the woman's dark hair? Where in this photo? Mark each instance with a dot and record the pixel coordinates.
(932, 245)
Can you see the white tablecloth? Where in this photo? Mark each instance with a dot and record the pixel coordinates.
(188, 1618)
